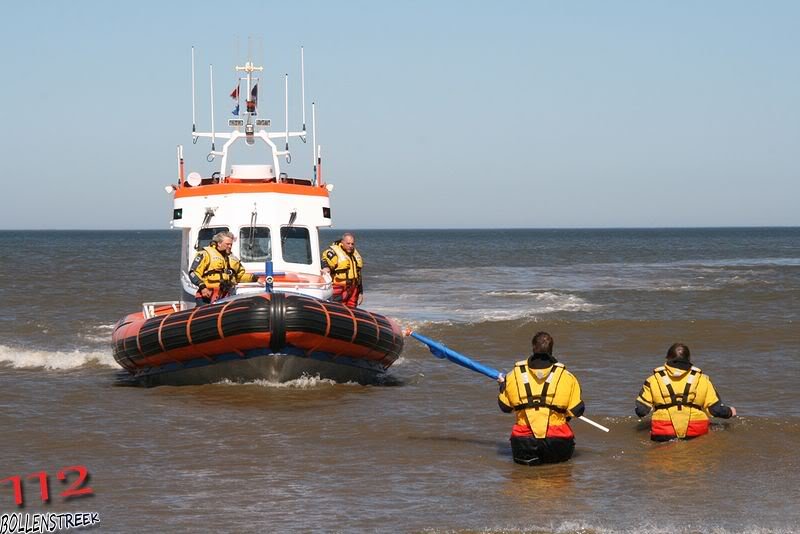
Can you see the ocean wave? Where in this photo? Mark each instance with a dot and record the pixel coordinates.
(494, 305)
(20, 358)
(98, 334)
(589, 527)
(522, 282)
(743, 262)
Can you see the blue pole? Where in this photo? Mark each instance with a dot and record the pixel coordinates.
(270, 277)
(441, 351)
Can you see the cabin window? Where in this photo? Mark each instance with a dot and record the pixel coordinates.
(205, 234)
(255, 244)
(296, 245)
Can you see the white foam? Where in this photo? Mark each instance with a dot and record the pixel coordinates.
(20, 358)
(98, 334)
(304, 382)
(403, 361)
(451, 309)
(578, 526)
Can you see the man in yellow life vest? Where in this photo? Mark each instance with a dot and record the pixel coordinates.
(682, 398)
(544, 396)
(343, 261)
(215, 271)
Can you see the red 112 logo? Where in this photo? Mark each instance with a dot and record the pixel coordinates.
(77, 488)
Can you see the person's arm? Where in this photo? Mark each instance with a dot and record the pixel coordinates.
(641, 409)
(578, 407)
(644, 402)
(243, 276)
(197, 270)
(502, 399)
(329, 260)
(714, 404)
(720, 410)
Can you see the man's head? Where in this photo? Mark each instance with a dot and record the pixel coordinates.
(679, 351)
(542, 343)
(348, 242)
(223, 241)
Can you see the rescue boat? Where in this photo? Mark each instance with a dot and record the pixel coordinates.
(289, 327)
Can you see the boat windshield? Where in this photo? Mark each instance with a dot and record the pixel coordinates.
(255, 244)
(296, 245)
(205, 234)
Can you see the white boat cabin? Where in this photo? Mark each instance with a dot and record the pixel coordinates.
(274, 217)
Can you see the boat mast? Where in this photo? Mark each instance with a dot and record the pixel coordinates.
(254, 128)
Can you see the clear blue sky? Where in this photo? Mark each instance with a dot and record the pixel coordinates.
(431, 114)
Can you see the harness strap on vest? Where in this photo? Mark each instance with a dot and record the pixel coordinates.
(523, 370)
(536, 405)
(227, 271)
(540, 402)
(547, 382)
(678, 404)
(678, 401)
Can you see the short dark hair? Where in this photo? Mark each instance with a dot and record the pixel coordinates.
(542, 343)
(678, 351)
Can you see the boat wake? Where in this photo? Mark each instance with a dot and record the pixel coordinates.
(22, 358)
(304, 382)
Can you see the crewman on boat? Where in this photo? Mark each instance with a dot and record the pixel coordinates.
(544, 396)
(681, 396)
(215, 271)
(343, 260)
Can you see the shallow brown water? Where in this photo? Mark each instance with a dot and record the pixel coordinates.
(428, 451)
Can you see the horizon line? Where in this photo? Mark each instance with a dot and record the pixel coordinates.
(432, 228)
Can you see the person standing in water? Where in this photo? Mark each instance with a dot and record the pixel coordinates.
(544, 396)
(681, 397)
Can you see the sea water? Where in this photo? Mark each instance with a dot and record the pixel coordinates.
(427, 451)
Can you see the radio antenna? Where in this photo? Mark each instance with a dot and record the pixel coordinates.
(286, 113)
(211, 76)
(303, 90)
(319, 164)
(194, 116)
(314, 139)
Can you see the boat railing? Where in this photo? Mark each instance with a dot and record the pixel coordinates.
(152, 309)
(287, 284)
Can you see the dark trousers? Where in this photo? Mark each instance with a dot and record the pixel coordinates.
(535, 451)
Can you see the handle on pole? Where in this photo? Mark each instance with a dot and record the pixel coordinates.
(596, 425)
